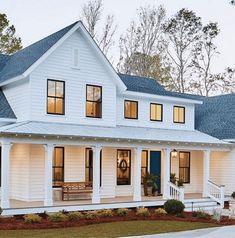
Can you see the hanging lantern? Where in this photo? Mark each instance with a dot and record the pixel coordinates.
(174, 154)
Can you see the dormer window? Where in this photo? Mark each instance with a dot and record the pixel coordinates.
(179, 114)
(55, 97)
(94, 101)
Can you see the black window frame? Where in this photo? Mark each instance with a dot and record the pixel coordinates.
(156, 104)
(129, 179)
(91, 101)
(143, 167)
(137, 109)
(56, 97)
(188, 168)
(54, 167)
(174, 115)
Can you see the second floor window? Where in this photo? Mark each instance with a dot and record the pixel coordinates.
(155, 112)
(179, 114)
(93, 101)
(55, 97)
(131, 109)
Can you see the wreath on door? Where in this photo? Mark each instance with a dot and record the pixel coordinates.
(123, 166)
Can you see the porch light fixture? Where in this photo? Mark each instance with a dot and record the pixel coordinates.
(174, 154)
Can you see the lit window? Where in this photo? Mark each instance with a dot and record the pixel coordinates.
(184, 166)
(131, 109)
(123, 167)
(93, 101)
(55, 97)
(58, 167)
(155, 112)
(144, 164)
(179, 114)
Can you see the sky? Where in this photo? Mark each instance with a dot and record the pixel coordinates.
(35, 19)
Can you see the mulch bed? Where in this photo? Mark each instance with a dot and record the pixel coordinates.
(17, 222)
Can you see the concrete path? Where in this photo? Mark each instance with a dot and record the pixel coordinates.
(218, 232)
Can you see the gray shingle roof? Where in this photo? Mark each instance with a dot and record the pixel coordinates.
(18, 63)
(216, 116)
(5, 109)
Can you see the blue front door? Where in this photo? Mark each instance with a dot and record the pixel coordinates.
(155, 166)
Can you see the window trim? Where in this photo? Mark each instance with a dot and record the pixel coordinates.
(53, 167)
(174, 114)
(101, 95)
(189, 168)
(63, 98)
(129, 180)
(137, 109)
(157, 104)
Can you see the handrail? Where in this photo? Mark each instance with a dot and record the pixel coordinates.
(175, 192)
(216, 192)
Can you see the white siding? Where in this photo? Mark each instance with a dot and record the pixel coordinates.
(91, 71)
(144, 115)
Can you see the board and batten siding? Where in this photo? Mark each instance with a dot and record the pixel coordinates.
(58, 66)
(144, 114)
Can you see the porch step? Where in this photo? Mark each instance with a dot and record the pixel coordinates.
(200, 204)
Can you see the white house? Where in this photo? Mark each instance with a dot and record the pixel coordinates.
(67, 116)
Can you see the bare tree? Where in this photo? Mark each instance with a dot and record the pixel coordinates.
(139, 44)
(182, 32)
(92, 16)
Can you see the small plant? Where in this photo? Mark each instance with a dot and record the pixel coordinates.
(173, 178)
(160, 212)
(32, 218)
(142, 211)
(216, 214)
(180, 182)
(91, 215)
(149, 182)
(75, 216)
(173, 206)
(233, 195)
(201, 214)
(57, 217)
(106, 213)
(122, 212)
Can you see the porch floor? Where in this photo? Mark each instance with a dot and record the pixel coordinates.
(24, 204)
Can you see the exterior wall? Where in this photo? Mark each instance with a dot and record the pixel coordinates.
(144, 114)
(222, 170)
(196, 172)
(18, 96)
(58, 66)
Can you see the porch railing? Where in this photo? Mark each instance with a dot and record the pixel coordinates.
(175, 192)
(216, 192)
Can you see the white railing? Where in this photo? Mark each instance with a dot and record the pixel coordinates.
(175, 192)
(216, 192)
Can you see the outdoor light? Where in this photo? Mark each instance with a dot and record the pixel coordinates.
(174, 154)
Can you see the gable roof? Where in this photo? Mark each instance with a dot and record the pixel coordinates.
(216, 116)
(5, 108)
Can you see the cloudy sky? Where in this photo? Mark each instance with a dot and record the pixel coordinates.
(35, 19)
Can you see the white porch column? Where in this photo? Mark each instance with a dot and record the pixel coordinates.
(5, 169)
(137, 173)
(48, 199)
(96, 174)
(206, 171)
(167, 155)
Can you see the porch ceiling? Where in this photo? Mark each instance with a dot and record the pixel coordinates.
(33, 128)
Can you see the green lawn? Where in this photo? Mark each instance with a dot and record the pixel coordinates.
(114, 229)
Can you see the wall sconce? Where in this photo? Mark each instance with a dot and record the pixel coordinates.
(174, 154)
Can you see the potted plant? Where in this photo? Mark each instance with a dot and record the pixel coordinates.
(180, 182)
(149, 182)
(173, 178)
(232, 205)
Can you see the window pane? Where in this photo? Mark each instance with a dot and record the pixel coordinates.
(176, 116)
(59, 106)
(181, 114)
(97, 109)
(90, 93)
(97, 94)
(133, 110)
(130, 109)
(144, 157)
(127, 109)
(59, 89)
(59, 157)
(156, 112)
(50, 105)
(123, 167)
(51, 88)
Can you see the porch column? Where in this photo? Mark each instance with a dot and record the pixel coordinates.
(48, 200)
(206, 171)
(5, 169)
(137, 173)
(96, 174)
(167, 155)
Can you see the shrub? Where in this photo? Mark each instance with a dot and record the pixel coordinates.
(216, 215)
(160, 212)
(106, 213)
(91, 215)
(32, 218)
(57, 217)
(142, 211)
(173, 206)
(75, 216)
(122, 212)
(201, 214)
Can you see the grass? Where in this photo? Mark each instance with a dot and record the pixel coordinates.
(113, 229)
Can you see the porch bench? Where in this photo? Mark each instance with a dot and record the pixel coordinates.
(75, 188)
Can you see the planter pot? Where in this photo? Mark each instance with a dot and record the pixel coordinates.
(150, 191)
(232, 208)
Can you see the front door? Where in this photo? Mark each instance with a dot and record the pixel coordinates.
(155, 167)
